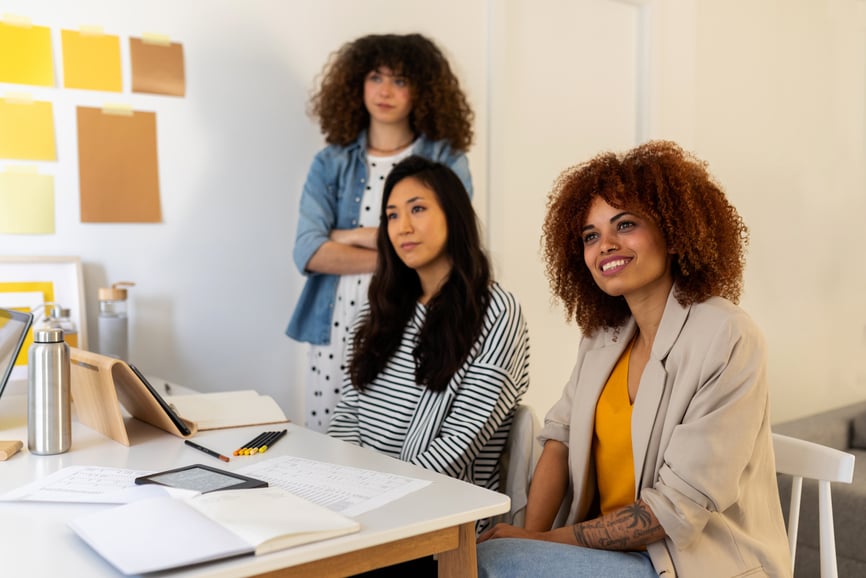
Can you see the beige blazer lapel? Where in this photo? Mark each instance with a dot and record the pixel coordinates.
(594, 371)
(653, 394)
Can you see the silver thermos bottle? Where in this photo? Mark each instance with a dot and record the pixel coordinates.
(49, 419)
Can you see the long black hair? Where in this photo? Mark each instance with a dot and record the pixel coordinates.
(454, 315)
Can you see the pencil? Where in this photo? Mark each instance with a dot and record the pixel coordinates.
(251, 443)
(206, 450)
(271, 441)
(255, 449)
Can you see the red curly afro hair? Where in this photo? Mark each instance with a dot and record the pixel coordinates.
(672, 188)
(440, 110)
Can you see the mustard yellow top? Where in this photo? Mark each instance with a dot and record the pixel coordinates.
(611, 445)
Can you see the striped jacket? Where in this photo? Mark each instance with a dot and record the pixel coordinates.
(460, 431)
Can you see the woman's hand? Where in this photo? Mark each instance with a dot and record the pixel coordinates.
(364, 237)
(346, 252)
(509, 531)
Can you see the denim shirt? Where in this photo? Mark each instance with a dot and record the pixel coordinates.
(332, 200)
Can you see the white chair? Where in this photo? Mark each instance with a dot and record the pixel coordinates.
(518, 462)
(801, 459)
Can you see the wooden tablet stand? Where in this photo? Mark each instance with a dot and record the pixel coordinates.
(100, 384)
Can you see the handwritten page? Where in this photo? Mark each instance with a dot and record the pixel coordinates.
(346, 490)
(90, 484)
(342, 489)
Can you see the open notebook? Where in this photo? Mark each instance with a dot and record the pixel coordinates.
(162, 533)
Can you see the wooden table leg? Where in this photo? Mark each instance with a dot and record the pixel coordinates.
(461, 562)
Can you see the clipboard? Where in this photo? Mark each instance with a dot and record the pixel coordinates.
(100, 385)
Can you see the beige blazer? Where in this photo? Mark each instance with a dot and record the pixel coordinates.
(702, 447)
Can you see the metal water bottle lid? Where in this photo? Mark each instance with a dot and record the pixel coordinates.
(48, 335)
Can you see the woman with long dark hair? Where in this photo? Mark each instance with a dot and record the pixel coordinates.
(381, 98)
(440, 355)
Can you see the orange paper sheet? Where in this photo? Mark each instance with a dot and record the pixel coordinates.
(26, 55)
(157, 68)
(91, 61)
(26, 203)
(117, 167)
(27, 130)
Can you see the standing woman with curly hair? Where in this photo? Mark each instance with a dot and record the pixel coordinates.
(658, 457)
(381, 99)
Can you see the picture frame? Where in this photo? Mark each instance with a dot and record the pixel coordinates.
(28, 283)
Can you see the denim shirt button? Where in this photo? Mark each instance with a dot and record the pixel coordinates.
(354, 222)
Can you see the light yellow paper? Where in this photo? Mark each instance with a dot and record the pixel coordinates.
(91, 61)
(26, 55)
(27, 130)
(26, 203)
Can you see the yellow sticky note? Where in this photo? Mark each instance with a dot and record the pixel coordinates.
(26, 203)
(27, 130)
(91, 61)
(27, 56)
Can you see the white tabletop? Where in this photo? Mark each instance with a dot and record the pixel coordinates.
(35, 540)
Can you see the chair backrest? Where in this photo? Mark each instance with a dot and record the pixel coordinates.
(518, 462)
(801, 459)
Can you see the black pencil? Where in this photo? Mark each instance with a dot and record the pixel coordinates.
(272, 441)
(252, 443)
(271, 435)
(208, 451)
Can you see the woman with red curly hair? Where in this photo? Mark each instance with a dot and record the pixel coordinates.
(658, 458)
(381, 99)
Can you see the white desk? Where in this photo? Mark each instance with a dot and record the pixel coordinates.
(36, 542)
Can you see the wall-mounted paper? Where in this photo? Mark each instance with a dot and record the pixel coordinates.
(117, 167)
(26, 54)
(157, 67)
(91, 61)
(27, 130)
(26, 203)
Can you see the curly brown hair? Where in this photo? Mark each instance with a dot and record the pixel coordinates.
(440, 110)
(674, 190)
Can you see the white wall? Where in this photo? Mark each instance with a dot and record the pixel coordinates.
(772, 93)
(782, 115)
(215, 284)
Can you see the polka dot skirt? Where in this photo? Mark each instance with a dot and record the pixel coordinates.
(327, 363)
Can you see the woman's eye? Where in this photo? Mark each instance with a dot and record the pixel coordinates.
(625, 225)
(417, 209)
(589, 238)
(401, 81)
(390, 216)
(374, 77)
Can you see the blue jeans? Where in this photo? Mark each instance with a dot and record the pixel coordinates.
(517, 558)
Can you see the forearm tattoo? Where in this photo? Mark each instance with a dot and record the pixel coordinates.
(628, 528)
